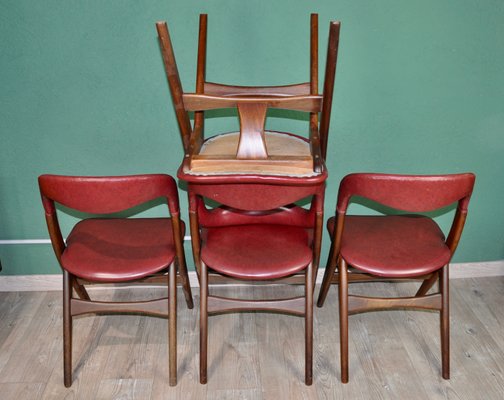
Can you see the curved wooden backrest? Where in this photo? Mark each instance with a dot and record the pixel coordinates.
(203, 102)
(414, 193)
(104, 195)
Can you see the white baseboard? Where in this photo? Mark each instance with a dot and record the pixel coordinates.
(477, 269)
(23, 283)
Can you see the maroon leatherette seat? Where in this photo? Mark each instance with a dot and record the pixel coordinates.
(394, 245)
(116, 250)
(257, 252)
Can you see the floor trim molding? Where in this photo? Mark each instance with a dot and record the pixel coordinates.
(23, 283)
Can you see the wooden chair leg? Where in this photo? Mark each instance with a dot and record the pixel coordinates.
(186, 285)
(427, 284)
(203, 322)
(343, 316)
(172, 322)
(80, 290)
(309, 325)
(67, 329)
(445, 322)
(326, 282)
(178, 235)
(186, 288)
(317, 246)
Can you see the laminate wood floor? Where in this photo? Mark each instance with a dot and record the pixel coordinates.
(393, 354)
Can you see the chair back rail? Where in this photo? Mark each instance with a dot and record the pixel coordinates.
(105, 195)
(414, 193)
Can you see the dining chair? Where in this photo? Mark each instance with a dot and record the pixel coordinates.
(398, 246)
(253, 149)
(250, 231)
(113, 250)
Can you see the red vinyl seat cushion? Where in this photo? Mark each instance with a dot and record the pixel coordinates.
(116, 250)
(393, 246)
(256, 252)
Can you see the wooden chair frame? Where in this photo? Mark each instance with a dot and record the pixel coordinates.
(252, 103)
(339, 272)
(165, 307)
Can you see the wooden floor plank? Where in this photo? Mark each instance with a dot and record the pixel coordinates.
(18, 311)
(34, 345)
(23, 390)
(393, 354)
(124, 389)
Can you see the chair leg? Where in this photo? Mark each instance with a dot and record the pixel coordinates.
(309, 325)
(328, 275)
(343, 316)
(427, 284)
(80, 290)
(445, 322)
(67, 329)
(317, 246)
(186, 285)
(172, 322)
(203, 322)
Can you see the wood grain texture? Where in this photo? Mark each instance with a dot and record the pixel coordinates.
(217, 89)
(277, 143)
(286, 154)
(203, 102)
(197, 135)
(393, 354)
(174, 83)
(252, 143)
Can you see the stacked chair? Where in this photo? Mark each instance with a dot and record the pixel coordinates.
(243, 186)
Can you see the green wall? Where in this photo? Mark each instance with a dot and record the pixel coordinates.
(419, 89)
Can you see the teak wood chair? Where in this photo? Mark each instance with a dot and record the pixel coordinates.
(117, 250)
(255, 233)
(253, 149)
(395, 246)
(255, 176)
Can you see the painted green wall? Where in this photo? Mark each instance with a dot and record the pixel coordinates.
(419, 89)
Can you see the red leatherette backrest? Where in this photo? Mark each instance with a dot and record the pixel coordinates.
(413, 193)
(104, 195)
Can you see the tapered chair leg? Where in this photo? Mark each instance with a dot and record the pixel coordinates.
(343, 316)
(186, 285)
(172, 328)
(445, 322)
(317, 243)
(203, 322)
(427, 284)
(326, 282)
(180, 260)
(186, 288)
(309, 325)
(67, 329)
(80, 290)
